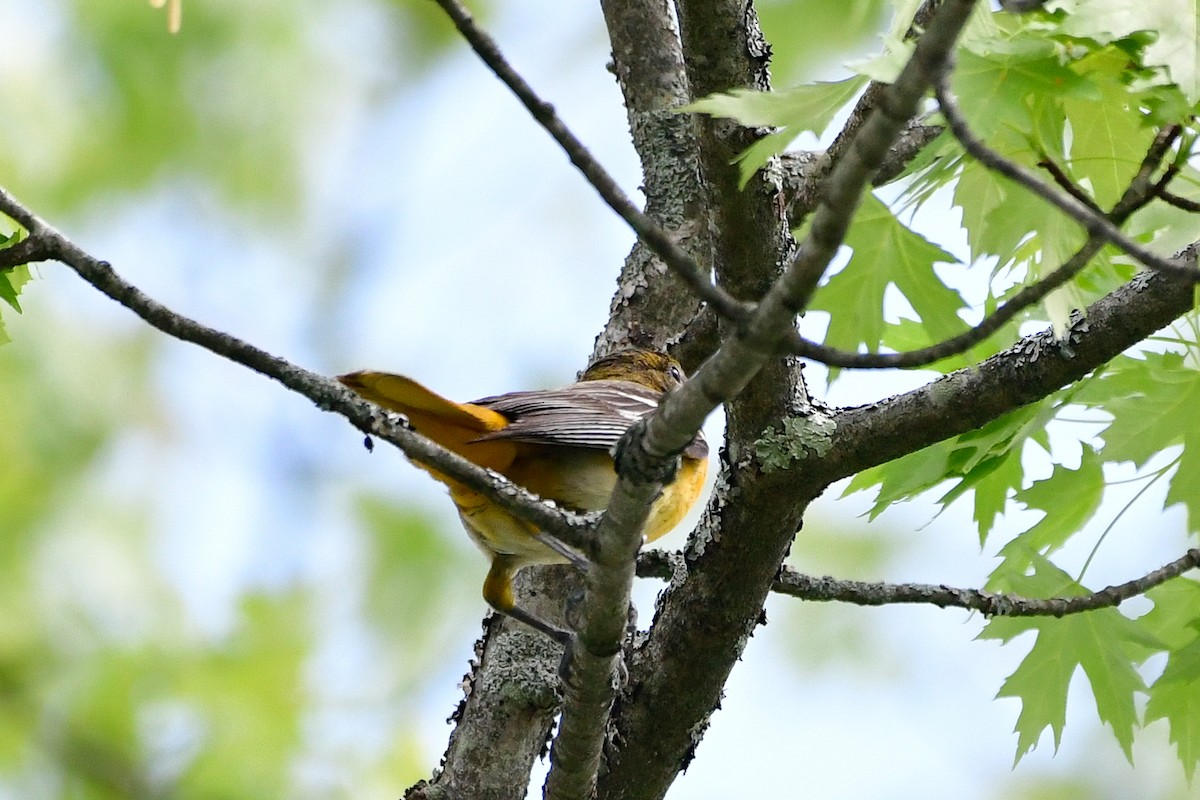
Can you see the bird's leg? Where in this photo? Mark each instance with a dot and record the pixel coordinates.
(498, 592)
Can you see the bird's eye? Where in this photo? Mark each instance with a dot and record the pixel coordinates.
(676, 373)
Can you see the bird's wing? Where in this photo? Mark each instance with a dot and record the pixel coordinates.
(593, 414)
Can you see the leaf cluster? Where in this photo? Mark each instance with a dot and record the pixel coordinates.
(1078, 93)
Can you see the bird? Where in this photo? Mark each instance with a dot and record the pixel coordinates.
(557, 443)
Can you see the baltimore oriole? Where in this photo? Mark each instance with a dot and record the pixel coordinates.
(556, 443)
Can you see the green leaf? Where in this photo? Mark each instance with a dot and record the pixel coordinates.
(793, 111)
(1152, 399)
(991, 488)
(904, 478)
(934, 167)
(1069, 497)
(808, 36)
(1175, 697)
(986, 461)
(1104, 643)
(804, 108)
(752, 159)
(981, 195)
(995, 91)
(989, 458)
(887, 253)
(1185, 483)
(1175, 618)
(11, 281)
(1107, 134)
(1174, 23)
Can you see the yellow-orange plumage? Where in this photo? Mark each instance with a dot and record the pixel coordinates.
(555, 443)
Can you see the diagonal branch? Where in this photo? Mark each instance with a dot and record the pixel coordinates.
(1030, 370)
(656, 238)
(328, 395)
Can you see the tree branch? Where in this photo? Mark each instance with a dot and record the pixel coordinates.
(694, 642)
(1030, 370)
(500, 726)
(1190, 206)
(657, 564)
(1141, 190)
(655, 237)
(328, 395)
(807, 587)
(503, 714)
(652, 303)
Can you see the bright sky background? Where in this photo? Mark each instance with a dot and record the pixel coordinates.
(478, 260)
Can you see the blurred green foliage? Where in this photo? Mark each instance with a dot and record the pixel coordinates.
(234, 102)
(806, 35)
(110, 687)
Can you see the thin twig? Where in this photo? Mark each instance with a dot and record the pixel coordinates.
(1095, 224)
(1067, 185)
(658, 240)
(658, 564)
(959, 343)
(989, 603)
(1139, 192)
(1190, 206)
